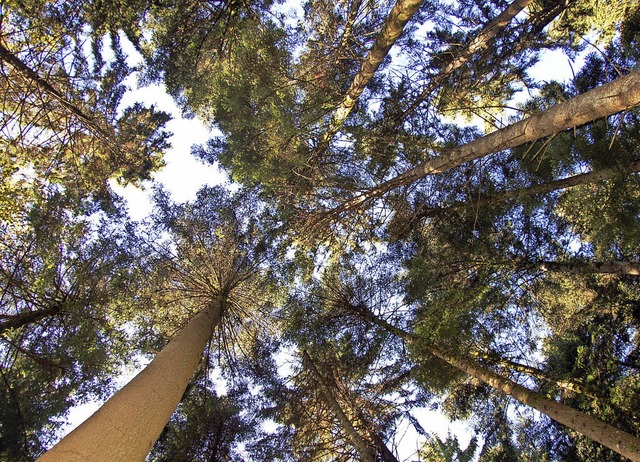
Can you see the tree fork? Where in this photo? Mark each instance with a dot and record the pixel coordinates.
(130, 422)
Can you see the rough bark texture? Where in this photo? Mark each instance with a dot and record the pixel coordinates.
(617, 440)
(608, 99)
(479, 42)
(402, 11)
(366, 454)
(565, 183)
(129, 423)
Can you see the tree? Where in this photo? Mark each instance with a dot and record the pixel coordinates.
(479, 42)
(206, 426)
(414, 221)
(214, 270)
(365, 452)
(399, 16)
(606, 100)
(131, 421)
(554, 185)
(61, 277)
(62, 118)
(615, 439)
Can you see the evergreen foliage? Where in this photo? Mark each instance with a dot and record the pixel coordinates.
(418, 219)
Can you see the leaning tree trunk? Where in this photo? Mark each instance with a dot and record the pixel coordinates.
(130, 422)
(479, 42)
(615, 439)
(566, 384)
(366, 453)
(28, 73)
(383, 450)
(393, 26)
(603, 101)
(543, 188)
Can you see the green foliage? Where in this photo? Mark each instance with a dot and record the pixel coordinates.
(62, 125)
(60, 277)
(449, 450)
(370, 290)
(205, 427)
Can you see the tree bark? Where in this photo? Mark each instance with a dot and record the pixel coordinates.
(366, 453)
(383, 450)
(479, 42)
(565, 183)
(569, 385)
(354, 9)
(617, 440)
(399, 16)
(22, 319)
(130, 422)
(608, 99)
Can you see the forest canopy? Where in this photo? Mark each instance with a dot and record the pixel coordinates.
(418, 216)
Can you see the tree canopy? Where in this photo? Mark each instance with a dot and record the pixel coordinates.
(422, 214)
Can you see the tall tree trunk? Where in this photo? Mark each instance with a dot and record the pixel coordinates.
(366, 453)
(354, 9)
(393, 26)
(565, 183)
(608, 99)
(617, 440)
(481, 41)
(130, 422)
(22, 319)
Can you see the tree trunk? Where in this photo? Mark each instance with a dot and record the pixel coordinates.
(479, 42)
(617, 440)
(366, 453)
(393, 26)
(569, 385)
(565, 183)
(354, 9)
(22, 319)
(15, 62)
(608, 99)
(383, 450)
(586, 267)
(130, 422)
